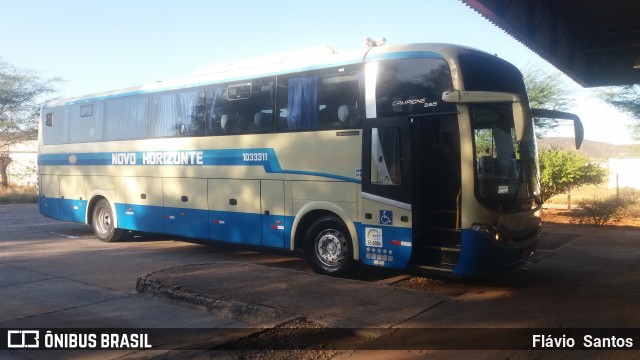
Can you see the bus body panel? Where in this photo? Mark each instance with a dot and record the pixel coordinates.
(185, 207)
(273, 213)
(143, 210)
(234, 214)
(385, 234)
(163, 206)
(48, 201)
(385, 246)
(143, 218)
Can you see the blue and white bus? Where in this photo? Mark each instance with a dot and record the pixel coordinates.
(419, 155)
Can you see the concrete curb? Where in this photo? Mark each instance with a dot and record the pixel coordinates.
(256, 314)
(263, 296)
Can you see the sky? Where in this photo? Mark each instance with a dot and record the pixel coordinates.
(97, 46)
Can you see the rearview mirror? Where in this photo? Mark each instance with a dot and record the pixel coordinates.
(554, 114)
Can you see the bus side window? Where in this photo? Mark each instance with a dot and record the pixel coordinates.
(339, 94)
(244, 108)
(83, 124)
(386, 156)
(49, 119)
(301, 99)
(126, 118)
(263, 121)
(56, 129)
(216, 107)
(326, 99)
(177, 113)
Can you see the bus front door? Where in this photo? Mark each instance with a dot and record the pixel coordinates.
(436, 178)
(385, 234)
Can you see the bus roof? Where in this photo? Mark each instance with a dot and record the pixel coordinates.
(291, 62)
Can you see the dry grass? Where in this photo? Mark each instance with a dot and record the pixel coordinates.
(597, 205)
(18, 194)
(583, 193)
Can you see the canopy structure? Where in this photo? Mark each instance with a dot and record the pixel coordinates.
(595, 42)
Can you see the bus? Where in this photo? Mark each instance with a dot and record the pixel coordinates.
(400, 156)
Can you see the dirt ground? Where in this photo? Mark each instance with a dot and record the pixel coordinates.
(566, 216)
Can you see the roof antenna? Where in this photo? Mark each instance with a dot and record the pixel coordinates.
(369, 43)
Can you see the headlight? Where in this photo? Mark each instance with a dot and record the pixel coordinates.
(490, 233)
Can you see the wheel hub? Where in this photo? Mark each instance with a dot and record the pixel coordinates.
(331, 247)
(104, 221)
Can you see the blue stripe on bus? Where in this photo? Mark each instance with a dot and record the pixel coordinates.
(405, 55)
(227, 226)
(223, 157)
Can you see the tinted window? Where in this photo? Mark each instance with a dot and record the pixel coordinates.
(86, 110)
(56, 129)
(386, 156)
(83, 124)
(412, 86)
(324, 99)
(241, 108)
(483, 72)
(177, 113)
(126, 118)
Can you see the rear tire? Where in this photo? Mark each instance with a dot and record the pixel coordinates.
(328, 247)
(103, 223)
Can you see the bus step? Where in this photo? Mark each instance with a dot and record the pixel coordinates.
(444, 257)
(442, 248)
(449, 256)
(448, 232)
(445, 230)
(441, 269)
(438, 239)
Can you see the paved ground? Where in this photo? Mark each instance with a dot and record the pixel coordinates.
(55, 274)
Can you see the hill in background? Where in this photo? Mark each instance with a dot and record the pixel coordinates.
(593, 149)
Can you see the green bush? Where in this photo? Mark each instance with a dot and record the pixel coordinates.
(564, 169)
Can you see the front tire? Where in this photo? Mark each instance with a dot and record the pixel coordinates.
(103, 223)
(328, 247)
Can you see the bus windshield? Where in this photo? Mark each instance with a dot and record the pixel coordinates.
(506, 175)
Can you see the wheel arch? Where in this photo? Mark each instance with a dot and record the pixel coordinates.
(315, 210)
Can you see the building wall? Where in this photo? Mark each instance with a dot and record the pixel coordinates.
(23, 170)
(624, 173)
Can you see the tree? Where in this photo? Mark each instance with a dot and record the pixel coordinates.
(546, 91)
(626, 99)
(561, 170)
(22, 93)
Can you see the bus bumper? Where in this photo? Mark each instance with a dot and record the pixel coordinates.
(480, 255)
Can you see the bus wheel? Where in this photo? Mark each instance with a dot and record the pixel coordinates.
(328, 246)
(103, 225)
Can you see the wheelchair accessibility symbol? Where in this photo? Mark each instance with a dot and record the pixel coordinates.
(386, 217)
